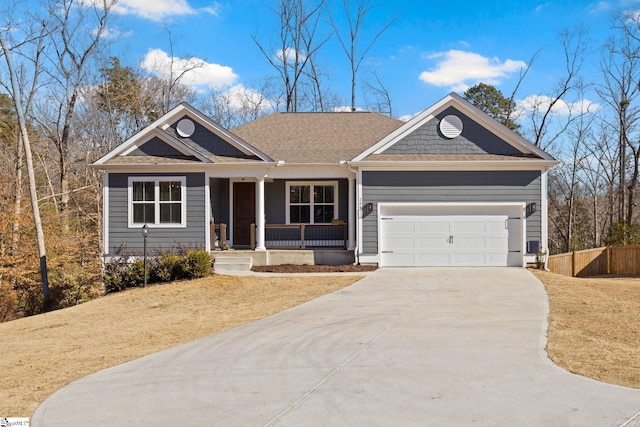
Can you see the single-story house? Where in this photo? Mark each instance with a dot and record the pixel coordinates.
(450, 187)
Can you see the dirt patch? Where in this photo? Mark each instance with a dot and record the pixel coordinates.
(292, 268)
(594, 326)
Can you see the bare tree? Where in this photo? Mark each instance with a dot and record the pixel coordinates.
(355, 13)
(22, 94)
(620, 67)
(375, 88)
(541, 109)
(78, 28)
(297, 46)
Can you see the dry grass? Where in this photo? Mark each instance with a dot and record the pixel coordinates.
(594, 326)
(43, 353)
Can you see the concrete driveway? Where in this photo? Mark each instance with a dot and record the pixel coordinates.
(403, 347)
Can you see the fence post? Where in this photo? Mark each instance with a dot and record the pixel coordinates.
(252, 235)
(222, 240)
(573, 264)
(301, 236)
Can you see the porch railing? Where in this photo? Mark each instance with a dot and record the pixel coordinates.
(218, 236)
(301, 236)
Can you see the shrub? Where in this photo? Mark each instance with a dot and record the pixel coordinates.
(119, 274)
(197, 264)
(169, 267)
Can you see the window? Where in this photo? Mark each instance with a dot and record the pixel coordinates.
(312, 203)
(158, 201)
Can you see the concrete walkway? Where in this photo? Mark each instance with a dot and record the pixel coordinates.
(403, 347)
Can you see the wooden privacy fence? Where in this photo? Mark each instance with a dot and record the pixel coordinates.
(622, 260)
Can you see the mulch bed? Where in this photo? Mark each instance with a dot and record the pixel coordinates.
(292, 268)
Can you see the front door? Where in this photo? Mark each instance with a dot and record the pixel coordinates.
(244, 212)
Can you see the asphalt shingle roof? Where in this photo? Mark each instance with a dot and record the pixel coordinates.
(316, 137)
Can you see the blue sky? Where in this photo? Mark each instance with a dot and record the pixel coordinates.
(433, 48)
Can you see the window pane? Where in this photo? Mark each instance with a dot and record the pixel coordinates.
(299, 194)
(143, 213)
(143, 191)
(170, 191)
(323, 194)
(323, 214)
(170, 213)
(299, 214)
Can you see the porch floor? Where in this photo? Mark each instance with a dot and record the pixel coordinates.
(291, 256)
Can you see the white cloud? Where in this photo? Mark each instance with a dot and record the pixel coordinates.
(114, 33)
(157, 10)
(289, 55)
(560, 108)
(239, 96)
(197, 72)
(599, 8)
(460, 69)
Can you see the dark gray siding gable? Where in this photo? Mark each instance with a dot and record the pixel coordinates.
(156, 147)
(448, 186)
(207, 142)
(123, 239)
(475, 139)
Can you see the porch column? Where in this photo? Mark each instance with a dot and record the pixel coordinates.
(352, 214)
(260, 215)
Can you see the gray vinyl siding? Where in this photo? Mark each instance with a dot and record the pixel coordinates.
(448, 186)
(206, 141)
(475, 139)
(125, 240)
(156, 147)
(276, 199)
(219, 189)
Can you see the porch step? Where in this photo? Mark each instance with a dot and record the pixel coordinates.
(222, 264)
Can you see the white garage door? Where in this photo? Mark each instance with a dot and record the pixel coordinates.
(444, 240)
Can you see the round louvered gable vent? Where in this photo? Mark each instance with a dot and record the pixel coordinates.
(451, 126)
(185, 128)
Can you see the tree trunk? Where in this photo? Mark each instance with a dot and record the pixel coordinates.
(22, 123)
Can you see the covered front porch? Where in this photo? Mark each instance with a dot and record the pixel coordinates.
(303, 219)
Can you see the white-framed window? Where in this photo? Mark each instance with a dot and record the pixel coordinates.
(157, 201)
(310, 202)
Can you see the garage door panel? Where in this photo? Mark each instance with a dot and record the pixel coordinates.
(432, 259)
(432, 243)
(468, 242)
(450, 240)
(399, 227)
(395, 243)
(460, 225)
(497, 243)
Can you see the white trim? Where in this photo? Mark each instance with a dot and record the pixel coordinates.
(311, 184)
(105, 213)
(351, 216)
(207, 215)
(456, 165)
(359, 215)
(544, 209)
(156, 188)
(260, 220)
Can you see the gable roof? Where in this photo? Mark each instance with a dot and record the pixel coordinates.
(512, 146)
(183, 149)
(317, 137)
